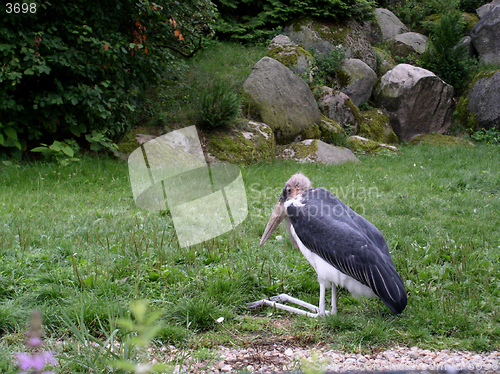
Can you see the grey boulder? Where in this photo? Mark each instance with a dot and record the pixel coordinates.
(389, 23)
(484, 100)
(485, 36)
(362, 78)
(416, 101)
(409, 42)
(482, 10)
(338, 107)
(273, 94)
(314, 150)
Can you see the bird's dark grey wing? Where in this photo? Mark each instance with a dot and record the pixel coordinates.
(349, 243)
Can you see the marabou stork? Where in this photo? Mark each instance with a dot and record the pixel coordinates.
(344, 248)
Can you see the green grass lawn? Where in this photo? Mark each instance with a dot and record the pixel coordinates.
(74, 245)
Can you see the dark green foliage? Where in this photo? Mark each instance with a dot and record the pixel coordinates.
(470, 6)
(254, 20)
(324, 69)
(491, 136)
(219, 105)
(445, 56)
(413, 12)
(76, 68)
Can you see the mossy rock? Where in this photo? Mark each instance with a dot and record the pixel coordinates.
(129, 143)
(440, 140)
(384, 61)
(249, 143)
(314, 150)
(375, 125)
(359, 144)
(304, 151)
(466, 118)
(293, 57)
(328, 127)
(324, 36)
(312, 132)
(332, 132)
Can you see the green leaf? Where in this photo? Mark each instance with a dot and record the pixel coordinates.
(57, 146)
(39, 149)
(74, 100)
(2, 140)
(95, 147)
(11, 133)
(68, 151)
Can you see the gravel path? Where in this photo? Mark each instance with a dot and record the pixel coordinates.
(275, 358)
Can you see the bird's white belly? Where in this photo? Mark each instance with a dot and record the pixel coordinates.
(328, 274)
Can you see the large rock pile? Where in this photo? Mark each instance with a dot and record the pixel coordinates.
(410, 101)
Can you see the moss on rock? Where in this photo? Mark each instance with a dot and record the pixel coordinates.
(375, 125)
(293, 57)
(129, 142)
(360, 144)
(312, 132)
(440, 140)
(302, 151)
(251, 143)
(384, 61)
(466, 118)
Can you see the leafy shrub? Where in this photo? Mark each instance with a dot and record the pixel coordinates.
(491, 136)
(325, 67)
(71, 68)
(253, 20)
(413, 12)
(219, 105)
(364, 106)
(445, 56)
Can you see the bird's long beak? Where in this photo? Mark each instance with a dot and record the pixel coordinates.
(277, 216)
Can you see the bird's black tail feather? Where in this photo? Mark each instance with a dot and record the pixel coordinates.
(388, 285)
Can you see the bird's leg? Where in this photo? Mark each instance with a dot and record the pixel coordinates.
(286, 298)
(321, 299)
(334, 298)
(274, 304)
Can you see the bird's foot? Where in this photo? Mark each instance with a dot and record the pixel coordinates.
(286, 298)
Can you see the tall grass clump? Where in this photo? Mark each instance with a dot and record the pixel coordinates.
(219, 105)
(445, 55)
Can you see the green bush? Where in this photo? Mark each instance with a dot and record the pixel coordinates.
(254, 20)
(70, 69)
(219, 105)
(491, 136)
(445, 56)
(324, 69)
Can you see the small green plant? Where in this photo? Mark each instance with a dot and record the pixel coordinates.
(139, 332)
(364, 106)
(324, 69)
(491, 136)
(339, 139)
(99, 141)
(219, 105)
(63, 152)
